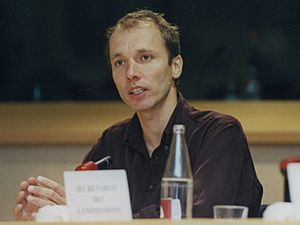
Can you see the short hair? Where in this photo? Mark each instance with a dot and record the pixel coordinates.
(169, 32)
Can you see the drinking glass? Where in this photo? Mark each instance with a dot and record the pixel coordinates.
(230, 212)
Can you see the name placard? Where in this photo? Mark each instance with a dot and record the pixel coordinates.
(101, 195)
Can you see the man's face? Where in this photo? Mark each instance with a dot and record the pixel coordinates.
(140, 68)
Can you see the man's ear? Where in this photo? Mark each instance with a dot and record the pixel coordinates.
(177, 65)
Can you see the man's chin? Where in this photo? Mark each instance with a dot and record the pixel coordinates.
(139, 107)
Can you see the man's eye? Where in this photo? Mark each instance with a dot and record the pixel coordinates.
(119, 63)
(146, 57)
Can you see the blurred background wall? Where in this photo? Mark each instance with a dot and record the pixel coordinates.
(233, 49)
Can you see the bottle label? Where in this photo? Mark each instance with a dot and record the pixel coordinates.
(170, 208)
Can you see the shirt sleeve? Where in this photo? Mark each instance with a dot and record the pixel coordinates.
(224, 172)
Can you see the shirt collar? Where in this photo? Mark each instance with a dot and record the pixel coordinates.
(134, 133)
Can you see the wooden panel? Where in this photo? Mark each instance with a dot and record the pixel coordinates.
(265, 122)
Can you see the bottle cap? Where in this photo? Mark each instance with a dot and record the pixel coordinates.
(179, 128)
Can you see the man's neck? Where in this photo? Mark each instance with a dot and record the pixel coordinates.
(155, 121)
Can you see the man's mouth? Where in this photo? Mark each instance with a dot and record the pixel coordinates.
(136, 91)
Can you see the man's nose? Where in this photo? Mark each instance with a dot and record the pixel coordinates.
(132, 71)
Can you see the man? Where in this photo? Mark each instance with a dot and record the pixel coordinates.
(144, 54)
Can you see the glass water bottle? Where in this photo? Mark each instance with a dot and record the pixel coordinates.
(177, 180)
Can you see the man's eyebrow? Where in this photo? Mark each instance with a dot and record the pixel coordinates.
(139, 51)
(116, 55)
(144, 50)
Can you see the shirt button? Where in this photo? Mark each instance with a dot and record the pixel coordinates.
(166, 148)
(156, 157)
(151, 188)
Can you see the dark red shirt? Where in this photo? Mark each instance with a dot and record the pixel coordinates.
(223, 171)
